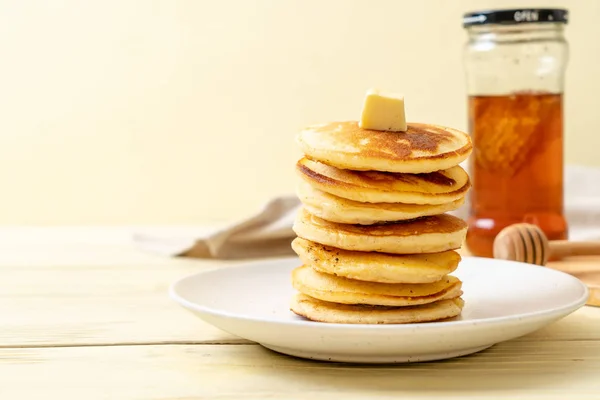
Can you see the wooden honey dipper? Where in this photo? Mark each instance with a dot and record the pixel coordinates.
(528, 243)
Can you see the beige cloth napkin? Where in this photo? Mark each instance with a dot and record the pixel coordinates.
(268, 233)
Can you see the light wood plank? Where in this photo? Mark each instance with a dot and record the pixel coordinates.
(524, 370)
(587, 270)
(97, 305)
(88, 287)
(81, 286)
(95, 246)
(583, 324)
(129, 304)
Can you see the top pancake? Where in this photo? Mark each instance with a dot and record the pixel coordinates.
(422, 148)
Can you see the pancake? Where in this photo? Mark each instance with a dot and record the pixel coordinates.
(422, 148)
(336, 209)
(424, 235)
(376, 267)
(336, 289)
(323, 311)
(438, 187)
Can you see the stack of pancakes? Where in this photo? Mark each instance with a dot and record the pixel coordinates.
(373, 236)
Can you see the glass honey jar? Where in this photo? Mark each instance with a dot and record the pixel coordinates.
(515, 64)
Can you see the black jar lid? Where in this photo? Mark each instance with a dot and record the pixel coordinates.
(516, 16)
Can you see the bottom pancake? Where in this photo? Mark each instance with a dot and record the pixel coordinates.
(322, 311)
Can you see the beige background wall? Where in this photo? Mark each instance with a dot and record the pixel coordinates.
(179, 112)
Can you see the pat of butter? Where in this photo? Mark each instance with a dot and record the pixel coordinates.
(383, 112)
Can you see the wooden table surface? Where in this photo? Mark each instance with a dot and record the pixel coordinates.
(85, 315)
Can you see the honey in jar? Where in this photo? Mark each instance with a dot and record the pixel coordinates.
(515, 62)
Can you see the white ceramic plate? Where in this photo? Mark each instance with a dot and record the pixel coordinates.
(503, 300)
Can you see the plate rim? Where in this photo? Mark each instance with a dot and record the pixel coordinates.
(560, 311)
